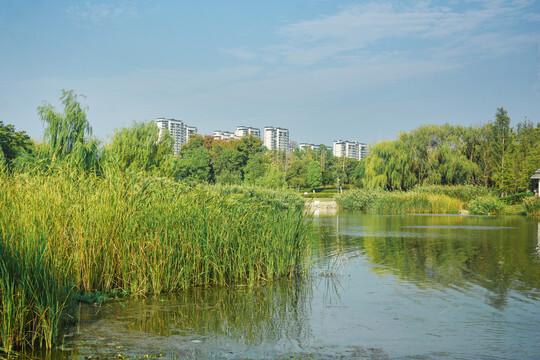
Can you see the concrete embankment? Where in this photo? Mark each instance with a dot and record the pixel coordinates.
(316, 206)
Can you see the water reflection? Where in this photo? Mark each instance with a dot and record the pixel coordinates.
(199, 323)
(498, 254)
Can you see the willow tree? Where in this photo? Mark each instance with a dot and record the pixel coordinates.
(389, 167)
(141, 147)
(64, 131)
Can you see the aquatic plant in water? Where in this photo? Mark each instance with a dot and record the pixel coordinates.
(84, 233)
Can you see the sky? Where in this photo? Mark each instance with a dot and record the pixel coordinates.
(324, 69)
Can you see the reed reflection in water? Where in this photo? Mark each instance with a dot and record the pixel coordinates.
(199, 323)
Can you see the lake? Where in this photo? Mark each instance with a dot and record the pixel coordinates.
(379, 287)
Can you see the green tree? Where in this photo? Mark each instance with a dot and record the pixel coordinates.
(501, 142)
(67, 138)
(296, 174)
(389, 167)
(63, 131)
(13, 143)
(255, 169)
(227, 165)
(314, 175)
(142, 148)
(273, 178)
(196, 165)
(524, 157)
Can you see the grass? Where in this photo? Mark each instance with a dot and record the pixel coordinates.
(68, 233)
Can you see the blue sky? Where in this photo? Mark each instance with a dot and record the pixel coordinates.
(325, 69)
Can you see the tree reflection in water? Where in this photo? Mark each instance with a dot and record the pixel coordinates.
(497, 253)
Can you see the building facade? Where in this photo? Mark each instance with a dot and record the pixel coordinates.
(180, 132)
(276, 138)
(243, 131)
(240, 132)
(223, 135)
(305, 146)
(350, 149)
(363, 150)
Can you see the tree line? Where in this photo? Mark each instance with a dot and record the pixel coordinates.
(494, 155)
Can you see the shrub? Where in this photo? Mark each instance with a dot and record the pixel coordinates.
(532, 205)
(283, 199)
(415, 203)
(386, 202)
(465, 193)
(360, 199)
(516, 198)
(487, 205)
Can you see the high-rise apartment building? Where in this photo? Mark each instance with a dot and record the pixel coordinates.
(276, 138)
(243, 131)
(363, 150)
(350, 149)
(240, 132)
(223, 135)
(305, 146)
(190, 131)
(180, 132)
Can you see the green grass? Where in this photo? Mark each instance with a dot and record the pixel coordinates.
(69, 233)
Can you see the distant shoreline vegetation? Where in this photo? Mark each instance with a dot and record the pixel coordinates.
(439, 199)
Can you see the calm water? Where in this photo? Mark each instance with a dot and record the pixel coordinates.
(422, 287)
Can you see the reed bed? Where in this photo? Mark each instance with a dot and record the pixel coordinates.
(415, 203)
(532, 205)
(487, 205)
(386, 202)
(78, 232)
(465, 193)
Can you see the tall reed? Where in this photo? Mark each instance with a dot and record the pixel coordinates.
(386, 202)
(132, 232)
(532, 205)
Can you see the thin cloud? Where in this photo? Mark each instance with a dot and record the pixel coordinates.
(536, 86)
(100, 13)
(240, 54)
(358, 28)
